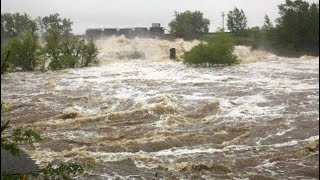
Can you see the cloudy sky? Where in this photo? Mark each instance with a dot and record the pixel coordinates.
(133, 13)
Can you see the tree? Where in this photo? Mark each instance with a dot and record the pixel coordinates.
(70, 53)
(297, 27)
(62, 48)
(189, 25)
(57, 36)
(267, 23)
(24, 51)
(237, 21)
(90, 54)
(53, 24)
(267, 33)
(18, 36)
(13, 25)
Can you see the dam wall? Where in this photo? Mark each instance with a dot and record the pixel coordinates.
(155, 31)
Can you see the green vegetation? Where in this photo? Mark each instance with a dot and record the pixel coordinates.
(61, 48)
(24, 52)
(72, 52)
(189, 25)
(13, 25)
(12, 138)
(295, 33)
(17, 136)
(237, 21)
(65, 171)
(4, 61)
(217, 51)
(33, 42)
(297, 28)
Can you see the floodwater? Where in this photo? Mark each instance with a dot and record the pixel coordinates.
(159, 119)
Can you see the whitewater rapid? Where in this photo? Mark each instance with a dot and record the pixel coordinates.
(154, 118)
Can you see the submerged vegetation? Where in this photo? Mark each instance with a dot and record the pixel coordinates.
(11, 138)
(49, 40)
(217, 51)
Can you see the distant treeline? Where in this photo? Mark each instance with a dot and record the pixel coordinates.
(296, 31)
(48, 43)
(28, 44)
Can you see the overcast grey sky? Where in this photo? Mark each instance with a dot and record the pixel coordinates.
(132, 13)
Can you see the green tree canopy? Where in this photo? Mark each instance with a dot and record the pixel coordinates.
(24, 52)
(267, 23)
(59, 46)
(237, 21)
(13, 25)
(54, 24)
(298, 26)
(189, 25)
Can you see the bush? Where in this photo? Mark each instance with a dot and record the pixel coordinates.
(64, 62)
(60, 47)
(4, 62)
(217, 51)
(23, 52)
(70, 53)
(19, 136)
(67, 171)
(90, 53)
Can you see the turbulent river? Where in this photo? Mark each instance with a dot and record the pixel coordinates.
(161, 119)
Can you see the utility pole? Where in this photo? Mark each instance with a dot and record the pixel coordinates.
(222, 14)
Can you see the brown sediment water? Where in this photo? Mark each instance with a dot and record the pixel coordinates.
(154, 118)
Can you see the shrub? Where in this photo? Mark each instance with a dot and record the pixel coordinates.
(60, 47)
(4, 62)
(17, 136)
(64, 62)
(66, 171)
(70, 53)
(89, 54)
(23, 52)
(10, 142)
(217, 51)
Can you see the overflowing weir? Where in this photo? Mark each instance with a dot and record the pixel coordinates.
(156, 31)
(153, 118)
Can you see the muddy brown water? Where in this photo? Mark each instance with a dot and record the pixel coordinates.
(165, 120)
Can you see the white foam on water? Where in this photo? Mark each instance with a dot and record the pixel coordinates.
(284, 131)
(295, 142)
(246, 107)
(158, 80)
